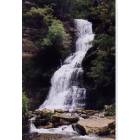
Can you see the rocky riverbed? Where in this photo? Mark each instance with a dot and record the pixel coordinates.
(74, 125)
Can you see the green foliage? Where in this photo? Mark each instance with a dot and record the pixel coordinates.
(103, 16)
(37, 16)
(104, 41)
(39, 11)
(66, 9)
(25, 102)
(99, 63)
(101, 68)
(56, 35)
(49, 30)
(81, 8)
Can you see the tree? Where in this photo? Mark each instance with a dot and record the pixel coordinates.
(56, 35)
(99, 63)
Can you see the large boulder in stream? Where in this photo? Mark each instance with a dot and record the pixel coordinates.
(43, 112)
(63, 119)
(84, 113)
(47, 118)
(43, 118)
(59, 111)
(96, 125)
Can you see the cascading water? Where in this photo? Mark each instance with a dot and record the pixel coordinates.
(65, 92)
(65, 129)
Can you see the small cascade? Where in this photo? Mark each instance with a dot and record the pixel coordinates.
(64, 130)
(65, 92)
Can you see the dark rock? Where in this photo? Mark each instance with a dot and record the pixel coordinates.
(103, 132)
(87, 112)
(91, 112)
(43, 118)
(84, 116)
(49, 125)
(63, 119)
(79, 129)
(40, 122)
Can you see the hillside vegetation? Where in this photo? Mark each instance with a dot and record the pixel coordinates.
(48, 25)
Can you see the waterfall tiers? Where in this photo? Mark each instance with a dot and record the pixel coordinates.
(65, 92)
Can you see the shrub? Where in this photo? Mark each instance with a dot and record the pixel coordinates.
(37, 17)
(39, 11)
(56, 35)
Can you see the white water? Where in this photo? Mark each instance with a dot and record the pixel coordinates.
(65, 92)
(63, 130)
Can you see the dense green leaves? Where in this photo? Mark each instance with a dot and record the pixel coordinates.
(103, 17)
(99, 63)
(104, 41)
(39, 11)
(56, 35)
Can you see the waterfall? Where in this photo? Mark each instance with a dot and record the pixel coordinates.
(65, 91)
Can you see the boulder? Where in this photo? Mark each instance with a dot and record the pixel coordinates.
(80, 111)
(45, 113)
(59, 111)
(43, 118)
(84, 116)
(91, 112)
(79, 129)
(63, 119)
(99, 126)
(47, 126)
(37, 111)
(41, 122)
(85, 111)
